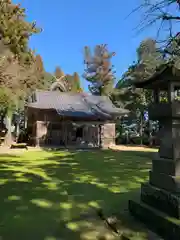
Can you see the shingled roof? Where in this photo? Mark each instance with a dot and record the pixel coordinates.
(156, 75)
(165, 73)
(76, 105)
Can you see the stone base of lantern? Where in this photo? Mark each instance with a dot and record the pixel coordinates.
(165, 226)
(161, 199)
(166, 182)
(159, 210)
(159, 205)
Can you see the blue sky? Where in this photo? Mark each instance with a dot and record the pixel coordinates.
(69, 25)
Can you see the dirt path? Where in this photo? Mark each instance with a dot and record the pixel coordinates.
(7, 150)
(133, 148)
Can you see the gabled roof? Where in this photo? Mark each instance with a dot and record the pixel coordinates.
(76, 105)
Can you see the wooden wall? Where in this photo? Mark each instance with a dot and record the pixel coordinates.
(48, 128)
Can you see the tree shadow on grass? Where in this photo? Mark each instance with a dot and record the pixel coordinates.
(53, 195)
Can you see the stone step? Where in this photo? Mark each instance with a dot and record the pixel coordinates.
(162, 224)
(164, 181)
(166, 166)
(160, 199)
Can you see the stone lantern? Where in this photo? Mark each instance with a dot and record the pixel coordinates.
(159, 205)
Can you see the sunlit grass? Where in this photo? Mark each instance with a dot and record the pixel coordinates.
(44, 193)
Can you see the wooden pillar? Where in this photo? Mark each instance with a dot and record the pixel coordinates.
(156, 96)
(37, 134)
(171, 92)
(107, 135)
(41, 132)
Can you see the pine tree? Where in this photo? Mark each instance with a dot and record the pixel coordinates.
(39, 63)
(15, 31)
(148, 59)
(16, 58)
(99, 70)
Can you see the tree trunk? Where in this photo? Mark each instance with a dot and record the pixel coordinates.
(8, 137)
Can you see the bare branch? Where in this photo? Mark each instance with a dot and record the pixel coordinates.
(166, 17)
(159, 12)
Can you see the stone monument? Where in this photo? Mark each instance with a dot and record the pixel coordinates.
(159, 204)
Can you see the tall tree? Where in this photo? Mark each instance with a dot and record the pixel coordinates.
(39, 63)
(76, 84)
(42, 79)
(99, 70)
(16, 58)
(15, 30)
(58, 73)
(148, 59)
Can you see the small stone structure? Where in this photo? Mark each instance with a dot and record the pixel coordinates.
(72, 120)
(107, 135)
(159, 206)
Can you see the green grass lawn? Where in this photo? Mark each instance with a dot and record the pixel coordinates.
(45, 194)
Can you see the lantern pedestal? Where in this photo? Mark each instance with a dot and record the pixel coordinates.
(159, 203)
(168, 228)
